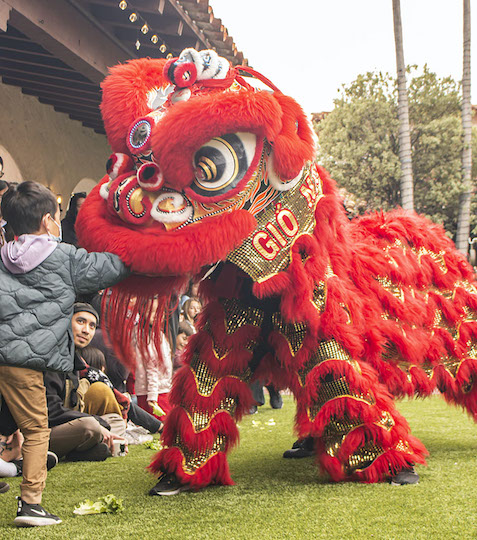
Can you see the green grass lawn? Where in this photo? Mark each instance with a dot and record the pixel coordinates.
(274, 498)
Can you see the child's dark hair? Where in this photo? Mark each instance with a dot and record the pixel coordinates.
(94, 358)
(185, 328)
(24, 205)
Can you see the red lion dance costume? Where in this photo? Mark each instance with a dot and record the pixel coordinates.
(211, 177)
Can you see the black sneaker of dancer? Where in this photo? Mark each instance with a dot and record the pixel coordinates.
(33, 515)
(276, 401)
(301, 448)
(405, 477)
(168, 485)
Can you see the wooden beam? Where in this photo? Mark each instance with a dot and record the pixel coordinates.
(19, 57)
(169, 27)
(75, 107)
(63, 98)
(195, 29)
(82, 118)
(54, 72)
(66, 33)
(43, 76)
(143, 6)
(27, 82)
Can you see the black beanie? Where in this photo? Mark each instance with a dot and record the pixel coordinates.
(83, 306)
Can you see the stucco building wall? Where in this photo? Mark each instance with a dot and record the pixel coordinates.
(47, 146)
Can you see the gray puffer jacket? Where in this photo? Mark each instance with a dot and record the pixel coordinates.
(36, 304)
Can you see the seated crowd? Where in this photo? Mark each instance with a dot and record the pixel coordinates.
(47, 412)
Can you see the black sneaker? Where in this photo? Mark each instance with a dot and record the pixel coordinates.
(51, 461)
(302, 448)
(405, 477)
(99, 452)
(168, 485)
(276, 401)
(253, 410)
(33, 515)
(4, 487)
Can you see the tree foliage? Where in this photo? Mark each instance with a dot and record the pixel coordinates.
(359, 143)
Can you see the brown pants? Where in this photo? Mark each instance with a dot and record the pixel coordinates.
(79, 435)
(84, 433)
(24, 393)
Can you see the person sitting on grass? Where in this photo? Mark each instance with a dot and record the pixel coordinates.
(39, 280)
(11, 461)
(96, 372)
(85, 418)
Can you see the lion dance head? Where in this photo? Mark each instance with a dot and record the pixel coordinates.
(203, 164)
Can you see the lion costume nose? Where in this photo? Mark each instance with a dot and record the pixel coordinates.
(149, 177)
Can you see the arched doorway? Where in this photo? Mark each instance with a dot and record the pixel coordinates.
(85, 184)
(10, 170)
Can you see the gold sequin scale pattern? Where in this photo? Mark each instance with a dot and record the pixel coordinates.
(238, 314)
(327, 350)
(335, 389)
(206, 381)
(201, 419)
(363, 457)
(294, 333)
(193, 460)
(450, 363)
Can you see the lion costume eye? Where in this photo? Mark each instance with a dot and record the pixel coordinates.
(222, 163)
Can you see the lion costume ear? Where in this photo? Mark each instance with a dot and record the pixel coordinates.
(294, 145)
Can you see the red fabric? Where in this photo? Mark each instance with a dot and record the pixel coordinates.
(399, 297)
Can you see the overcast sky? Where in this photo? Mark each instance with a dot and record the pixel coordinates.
(309, 48)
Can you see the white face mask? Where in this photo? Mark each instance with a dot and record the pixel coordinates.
(60, 233)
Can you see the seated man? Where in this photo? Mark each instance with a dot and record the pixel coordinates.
(84, 419)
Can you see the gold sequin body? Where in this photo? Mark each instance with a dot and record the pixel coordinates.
(236, 316)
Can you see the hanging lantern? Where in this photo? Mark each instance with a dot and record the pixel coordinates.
(145, 28)
(133, 17)
(163, 48)
(169, 56)
(154, 38)
(138, 44)
(123, 5)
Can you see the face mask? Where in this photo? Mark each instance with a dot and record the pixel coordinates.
(60, 233)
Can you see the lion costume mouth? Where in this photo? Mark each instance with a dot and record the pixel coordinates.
(154, 251)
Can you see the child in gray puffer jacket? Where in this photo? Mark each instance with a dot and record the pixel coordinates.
(39, 281)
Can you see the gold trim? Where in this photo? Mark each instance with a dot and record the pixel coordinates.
(276, 256)
(293, 333)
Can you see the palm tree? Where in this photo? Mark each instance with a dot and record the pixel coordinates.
(463, 222)
(407, 185)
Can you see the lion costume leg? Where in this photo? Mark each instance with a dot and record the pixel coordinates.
(359, 433)
(210, 394)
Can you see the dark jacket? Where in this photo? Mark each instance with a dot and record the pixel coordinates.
(36, 306)
(57, 385)
(117, 372)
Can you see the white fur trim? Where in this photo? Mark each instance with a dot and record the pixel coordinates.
(209, 60)
(178, 201)
(120, 160)
(104, 190)
(276, 182)
(223, 68)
